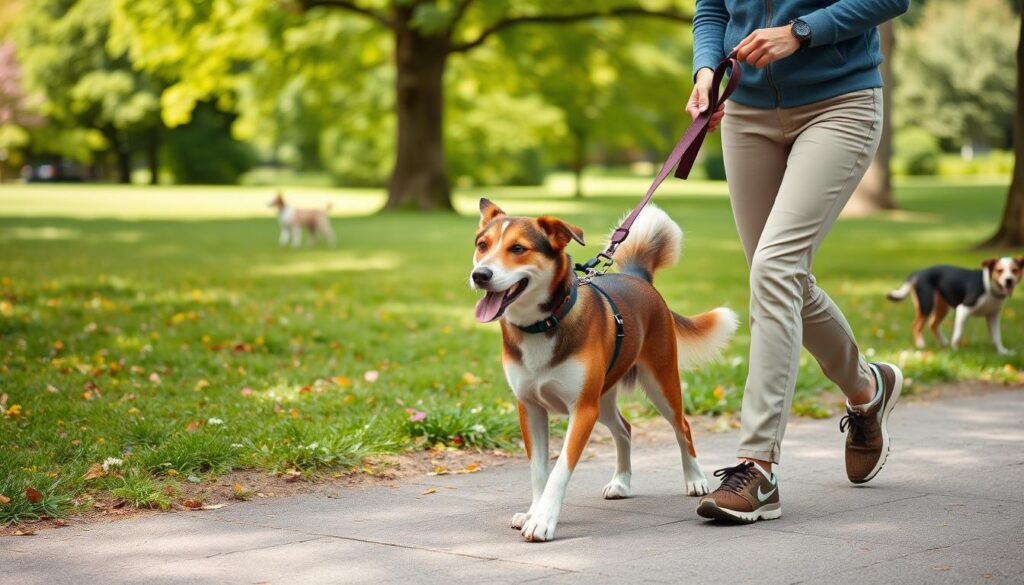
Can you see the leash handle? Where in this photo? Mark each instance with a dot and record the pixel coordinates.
(682, 157)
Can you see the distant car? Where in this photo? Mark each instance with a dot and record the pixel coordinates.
(55, 171)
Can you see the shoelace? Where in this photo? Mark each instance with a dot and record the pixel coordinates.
(857, 424)
(734, 478)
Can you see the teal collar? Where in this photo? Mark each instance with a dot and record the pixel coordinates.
(557, 315)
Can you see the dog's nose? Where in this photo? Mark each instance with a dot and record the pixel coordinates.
(482, 275)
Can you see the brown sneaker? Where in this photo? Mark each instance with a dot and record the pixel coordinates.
(745, 495)
(867, 436)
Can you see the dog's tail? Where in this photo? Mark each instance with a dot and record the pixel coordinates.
(654, 242)
(902, 292)
(700, 339)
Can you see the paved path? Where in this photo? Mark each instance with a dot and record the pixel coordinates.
(947, 508)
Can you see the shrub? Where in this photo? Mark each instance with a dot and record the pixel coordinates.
(916, 152)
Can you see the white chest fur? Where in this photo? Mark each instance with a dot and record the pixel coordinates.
(987, 304)
(535, 380)
(287, 216)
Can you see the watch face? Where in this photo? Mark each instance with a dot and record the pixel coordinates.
(801, 29)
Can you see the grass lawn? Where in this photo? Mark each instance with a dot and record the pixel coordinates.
(150, 337)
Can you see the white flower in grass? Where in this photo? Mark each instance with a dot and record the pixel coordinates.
(237, 445)
(312, 446)
(111, 462)
(479, 428)
(214, 421)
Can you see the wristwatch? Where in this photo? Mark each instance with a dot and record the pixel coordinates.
(802, 31)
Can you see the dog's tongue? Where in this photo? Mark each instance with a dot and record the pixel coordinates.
(489, 308)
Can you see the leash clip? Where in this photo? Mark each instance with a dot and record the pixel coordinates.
(596, 266)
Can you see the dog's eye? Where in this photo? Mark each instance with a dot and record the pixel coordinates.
(517, 249)
(482, 246)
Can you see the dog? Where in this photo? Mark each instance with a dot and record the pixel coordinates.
(293, 220)
(569, 347)
(969, 292)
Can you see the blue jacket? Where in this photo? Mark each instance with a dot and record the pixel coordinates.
(843, 55)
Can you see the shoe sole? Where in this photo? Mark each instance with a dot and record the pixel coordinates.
(709, 509)
(889, 404)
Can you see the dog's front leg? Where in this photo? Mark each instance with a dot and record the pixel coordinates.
(996, 334)
(540, 526)
(533, 422)
(283, 240)
(959, 323)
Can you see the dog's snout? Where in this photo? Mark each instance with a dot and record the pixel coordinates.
(482, 276)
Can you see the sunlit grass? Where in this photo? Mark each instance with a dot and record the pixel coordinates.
(165, 327)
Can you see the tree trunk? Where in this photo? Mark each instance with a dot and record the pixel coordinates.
(154, 156)
(579, 160)
(874, 193)
(1011, 229)
(419, 180)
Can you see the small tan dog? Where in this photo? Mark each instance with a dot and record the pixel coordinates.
(292, 221)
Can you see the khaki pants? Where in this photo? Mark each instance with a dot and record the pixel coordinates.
(790, 173)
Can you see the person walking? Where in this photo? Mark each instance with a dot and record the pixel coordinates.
(797, 136)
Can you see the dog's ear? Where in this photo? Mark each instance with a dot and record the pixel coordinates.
(989, 263)
(1020, 261)
(559, 232)
(488, 211)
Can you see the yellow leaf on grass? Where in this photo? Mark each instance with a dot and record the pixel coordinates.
(4, 499)
(95, 470)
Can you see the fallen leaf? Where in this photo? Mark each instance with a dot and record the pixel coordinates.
(192, 504)
(95, 470)
(33, 495)
(292, 475)
(247, 391)
(4, 499)
(212, 507)
(941, 568)
(428, 491)
(371, 376)
(24, 532)
(59, 522)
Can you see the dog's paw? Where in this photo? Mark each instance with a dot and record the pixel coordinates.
(617, 488)
(519, 519)
(1004, 351)
(699, 487)
(539, 528)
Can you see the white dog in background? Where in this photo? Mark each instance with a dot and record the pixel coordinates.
(293, 220)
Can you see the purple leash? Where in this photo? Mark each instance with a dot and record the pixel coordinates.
(682, 158)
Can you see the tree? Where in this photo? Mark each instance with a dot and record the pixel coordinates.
(62, 46)
(16, 113)
(1011, 227)
(953, 80)
(874, 193)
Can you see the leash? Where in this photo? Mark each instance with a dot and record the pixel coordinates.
(682, 158)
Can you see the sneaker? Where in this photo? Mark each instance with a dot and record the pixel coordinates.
(867, 436)
(747, 494)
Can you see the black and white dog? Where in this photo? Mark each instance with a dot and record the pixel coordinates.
(969, 292)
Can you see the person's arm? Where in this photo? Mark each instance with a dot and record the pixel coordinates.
(709, 22)
(848, 18)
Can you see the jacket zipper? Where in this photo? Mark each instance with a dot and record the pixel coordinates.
(768, 68)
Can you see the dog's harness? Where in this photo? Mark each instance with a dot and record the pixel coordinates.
(682, 157)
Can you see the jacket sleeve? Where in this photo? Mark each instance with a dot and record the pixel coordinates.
(847, 18)
(709, 22)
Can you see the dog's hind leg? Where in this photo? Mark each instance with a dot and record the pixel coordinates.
(533, 422)
(612, 418)
(663, 389)
(924, 300)
(941, 310)
(296, 236)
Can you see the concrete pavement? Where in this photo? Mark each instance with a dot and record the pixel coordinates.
(947, 508)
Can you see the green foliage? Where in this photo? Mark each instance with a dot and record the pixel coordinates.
(460, 427)
(84, 85)
(916, 152)
(203, 150)
(954, 69)
(995, 163)
(142, 491)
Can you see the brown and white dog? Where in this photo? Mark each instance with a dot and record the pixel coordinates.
(293, 220)
(571, 368)
(969, 292)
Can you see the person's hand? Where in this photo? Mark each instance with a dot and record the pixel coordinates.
(698, 101)
(767, 45)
